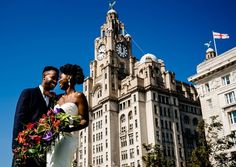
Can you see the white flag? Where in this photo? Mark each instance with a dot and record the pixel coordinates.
(217, 35)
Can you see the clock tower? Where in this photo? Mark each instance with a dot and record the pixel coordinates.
(113, 64)
(113, 60)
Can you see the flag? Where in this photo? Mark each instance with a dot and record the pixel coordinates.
(217, 35)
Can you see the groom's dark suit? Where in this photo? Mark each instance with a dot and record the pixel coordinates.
(30, 108)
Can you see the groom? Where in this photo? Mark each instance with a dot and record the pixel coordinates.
(31, 105)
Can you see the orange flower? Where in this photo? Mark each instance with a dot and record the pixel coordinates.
(56, 123)
(30, 126)
(21, 138)
(36, 138)
(42, 120)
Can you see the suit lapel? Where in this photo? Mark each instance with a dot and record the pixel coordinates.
(40, 97)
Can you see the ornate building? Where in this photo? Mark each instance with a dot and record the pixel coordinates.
(134, 102)
(216, 85)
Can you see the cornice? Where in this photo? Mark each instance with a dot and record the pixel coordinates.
(214, 65)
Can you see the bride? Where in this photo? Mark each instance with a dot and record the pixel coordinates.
(73, 103)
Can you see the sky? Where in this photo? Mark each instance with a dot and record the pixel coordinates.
(37, 33)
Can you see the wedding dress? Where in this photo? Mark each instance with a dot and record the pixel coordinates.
(62, 153)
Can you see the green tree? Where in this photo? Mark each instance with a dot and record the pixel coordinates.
(154, 157)
(200, 155)
(212, 150)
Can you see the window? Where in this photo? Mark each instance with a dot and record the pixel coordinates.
(176, 114)
(122, 118)
(230, 97)
(131, 139)
(137, 148)
(174, 100)
(135, 110)
(187, 132)
(209, 102)
(155, 109)
(177, 126)
(134, 98)
(132, 164)
(195, 121)
(186, 119)
(154, 96)
(106, 143)
(178, 137)
(162, 124)
(160, 110)
(128, 103)
(130, 115)
(106, 156)
(120, 106)
(157, 135)
(170, 125)
(232, 116)
(156, 122)
(207, 87)
(163, 137)
(226, 80)
(131, 153)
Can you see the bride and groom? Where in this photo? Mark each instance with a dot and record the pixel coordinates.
(34, 102)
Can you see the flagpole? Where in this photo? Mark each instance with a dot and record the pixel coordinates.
(214, 41)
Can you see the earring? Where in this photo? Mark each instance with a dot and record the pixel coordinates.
(69, 82)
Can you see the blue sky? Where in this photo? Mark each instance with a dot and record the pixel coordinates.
(55, 32)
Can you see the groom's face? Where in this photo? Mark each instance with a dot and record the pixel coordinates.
(50, 80)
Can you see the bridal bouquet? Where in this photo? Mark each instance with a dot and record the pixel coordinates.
(37, 138)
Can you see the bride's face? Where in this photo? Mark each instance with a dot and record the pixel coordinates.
(64, 81)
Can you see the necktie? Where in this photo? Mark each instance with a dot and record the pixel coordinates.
(46, 95)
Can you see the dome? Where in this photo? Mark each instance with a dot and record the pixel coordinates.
(148, 58)
(111, 11)
(127, 35)
(209, 50)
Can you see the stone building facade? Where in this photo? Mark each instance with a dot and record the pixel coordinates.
(134, 102)
(215, 82)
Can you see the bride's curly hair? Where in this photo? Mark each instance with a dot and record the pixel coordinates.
(75, 71)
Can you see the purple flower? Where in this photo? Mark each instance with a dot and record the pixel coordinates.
(56, 110)
(47, 136)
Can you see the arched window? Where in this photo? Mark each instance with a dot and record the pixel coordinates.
(195, 121)
(186, 119)
(122, 118)
(130, 115)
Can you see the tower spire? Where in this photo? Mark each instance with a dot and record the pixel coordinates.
(210, 53)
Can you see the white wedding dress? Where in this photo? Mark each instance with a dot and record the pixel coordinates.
(62, 152)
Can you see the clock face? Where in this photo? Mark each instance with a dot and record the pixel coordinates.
(101, 52)
(122, 50)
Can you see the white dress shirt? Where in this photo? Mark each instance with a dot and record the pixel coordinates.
(46, 98)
